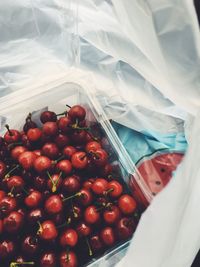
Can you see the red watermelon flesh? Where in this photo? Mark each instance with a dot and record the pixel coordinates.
(158, 170)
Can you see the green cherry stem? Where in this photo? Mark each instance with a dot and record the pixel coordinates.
(16, 264)
(12, 170)
(71, 197)
(89, 247)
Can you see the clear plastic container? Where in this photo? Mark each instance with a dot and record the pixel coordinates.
(55, 96)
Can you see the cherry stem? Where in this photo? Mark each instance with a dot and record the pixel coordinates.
(54, 184)
(7, 127)
(81, 158)
(16, 264)
(40, 230)
(60, 114)
(109, 191)
(89, 247)
(25, 191)
(67, 254)
(91, 135)
(71, 197)
(68, 106)
(11, 192)
(28, 118)
(57, 160)
(74, 212)
(8, 174)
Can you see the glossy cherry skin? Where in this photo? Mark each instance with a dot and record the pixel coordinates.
(64, 166)
(26, 143)
(127, 204)
(17, 151)
(49, 231)
(68, 151)
(96, 243)
(33, 200)
(13, 222)
(12, 136)
(42, 164)
(64, 124)
(48, 259)
(71, 185)
(55, 183)
(91, 215)
(2, 169)
(116, 187)
(92, 146)
(53, 204)
(100, 186)
(88, 183)
(27, 159)
(79, 160)
(50, 150)
(107, 236)
(7, 205)
(50, 128)
(69, 238)
(61, 140)
(7, 248)
(77, 112)
(100, 157)
(106, 170)
(38, 152)
(83, 229)
(86, 197)
(125, 228)
(112, 215)
(30, 245)
(34, 135)
(35, 216)
(2, 195)
(47, 116)
(68, 259)
(78, 137)
(15, 182)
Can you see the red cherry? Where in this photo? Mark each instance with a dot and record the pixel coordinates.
(115, 188)
(7, 248)
(88, 184)
(68, 151)
(127, 204)
(64, 166)
(69, 238)
(61, 140)
(33, 200)
(34, 135)
(13, 222)
(108, 236)
(91, 215)
(11, 136)
(86, 197)
(17, 151)
(40, 183)
(64, 124)
(106, 170)
(96, 243)
(77, 113)
(2, 195)
(29, 124)
(30, 245)
(2, 169)
(48, 259)
(92, 146)
(42, 164)
(15, 182)
(50, 150)
(83, 229)
(26, 143)
(53, 204)
(79, 160)
(100, 157)
(112, 215)
(27, 159)
(1, 227)
(125, 228)
(55, 183)
(71, 185)
(7, 205)
(99, 186)
(35, 216)
(68, 259)
(78, 136)
(48, 231)
(50, 128)
(37, 152)
(47, 116)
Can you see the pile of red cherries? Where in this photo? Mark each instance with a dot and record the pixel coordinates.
(61, 203)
